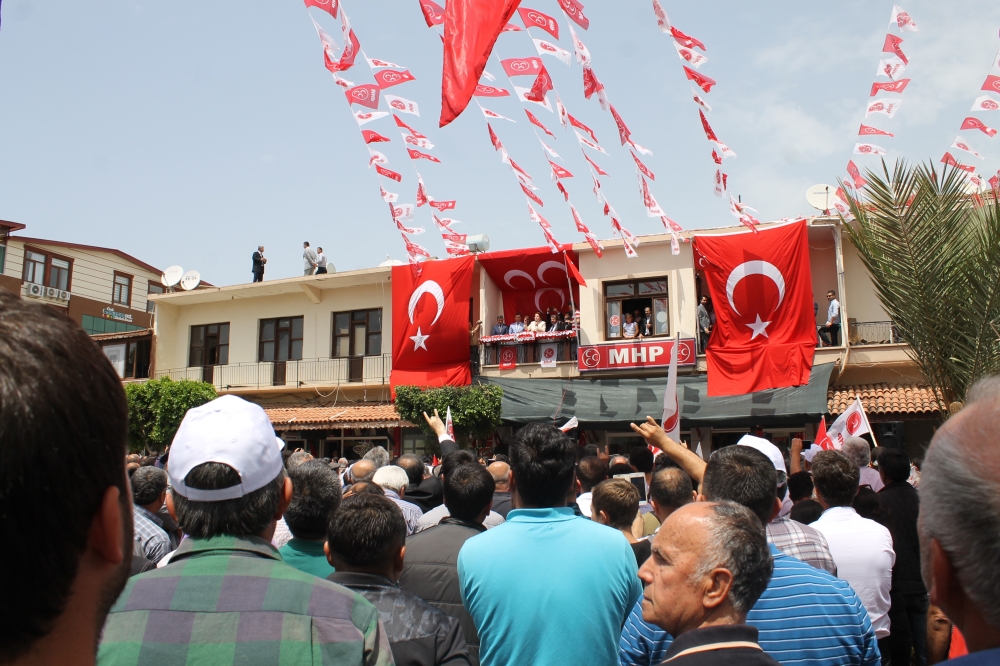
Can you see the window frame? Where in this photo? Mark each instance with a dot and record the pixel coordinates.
(653, 298)
(114, 286)
(3, 257)
(47, 267)
(276, 340)
(352, 323)
(149, 290)
(222, 347)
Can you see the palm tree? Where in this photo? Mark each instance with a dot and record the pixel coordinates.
(931, 244)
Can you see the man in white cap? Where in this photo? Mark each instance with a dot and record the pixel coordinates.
(226, 597)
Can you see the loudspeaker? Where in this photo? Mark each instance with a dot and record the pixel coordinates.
(890, 434)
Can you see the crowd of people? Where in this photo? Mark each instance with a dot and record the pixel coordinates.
(551, 321)
(230, 550)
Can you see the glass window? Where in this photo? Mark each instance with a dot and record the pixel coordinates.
(357, 333)
(645, 300)
(3, 257)
(280, 339)
(34, 267)
(122, 292)
(153, 288)
(209, 345)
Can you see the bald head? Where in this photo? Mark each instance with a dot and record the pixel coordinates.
(500, 471)
(363, 470)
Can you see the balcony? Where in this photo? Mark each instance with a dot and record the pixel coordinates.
(862, 333)
(290, 374)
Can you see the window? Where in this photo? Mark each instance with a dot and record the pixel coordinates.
(94, 325)
(280, 339)
(58, 274)
(154, 288)
(3, 257)
(636, 296)
(34, 267)
(131, 359)
(209, 345)
(122, 293)
(357, 333)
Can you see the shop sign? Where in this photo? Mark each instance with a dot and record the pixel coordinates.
(629, 355)
(110, 313)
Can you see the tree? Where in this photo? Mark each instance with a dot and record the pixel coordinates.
(475, 410)
(932, 249)
(157, 407)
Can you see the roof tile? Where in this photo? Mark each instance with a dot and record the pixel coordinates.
(311, 417)
(883, 398)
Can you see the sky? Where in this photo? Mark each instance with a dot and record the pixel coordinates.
(187, 133)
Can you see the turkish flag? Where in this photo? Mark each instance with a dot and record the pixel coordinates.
(531, 280)
(366, 95)
(430, 334)
(761, 286)
(535, 19)
(328, 6)
(471, 28)
(522, 66)
(387, 78)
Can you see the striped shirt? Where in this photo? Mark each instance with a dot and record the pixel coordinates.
(804, 616)
(150, 535)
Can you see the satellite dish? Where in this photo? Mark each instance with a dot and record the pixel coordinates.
(190, 280)
(819, 197)
(172, 276)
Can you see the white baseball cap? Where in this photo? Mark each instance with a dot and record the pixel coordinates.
(227, 430)
(811, 452)
(767, 448)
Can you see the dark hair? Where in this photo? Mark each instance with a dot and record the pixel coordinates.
(800, 486)
(454, 459)
(315, 495)
(671, 487)
(641, 458)
(468, 490)
(297, 458)
(365, 532)
(743, 475)
(620, 468)
(807, 511)
(618, 499)
(240, 517)
(894, 463)
(413, 466)
(590, 450)
(836, 477)
(663, 461)
(63, 430)
(147, 485)
(365, 488)
(543, 463)
(591, 470)
(869, 505)
(501, 457)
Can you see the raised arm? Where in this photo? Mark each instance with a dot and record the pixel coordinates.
(657, 438)
(447, 443)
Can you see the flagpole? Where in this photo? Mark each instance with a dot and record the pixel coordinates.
(569, 285)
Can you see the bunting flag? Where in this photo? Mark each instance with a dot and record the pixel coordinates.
(433, 12)
(574, 10)
(415, 250)
(558, 171)
(392, 175)
(510, 27)
(365, 94)
(866, 130)
(549, 149)
(531, 195)
(592, 85)
(974, 123)
(992, 83)
(422, 196)
(597, 188)
(548, 48)
(892, 67)
(413, 231)
(400, 123)
(646, 151)
(709, 133)
(489, 91)
(367, 116)
(720, 183)
(662, 22)
(671, 225)
(582, 228)
(642, 167)
(537, 123)
(584, 141)
(964, 146)
(687, 40)
(868, 149)
(386, 78)
(652, 207)
(598, 169)
(561, 188)
(902, 20)
(533, 18)
(576, 123)
(417, 155)
(388, 196)
(702, 81)
(494, 139)
(623, 131)
(884, 106)
(542, 85)
(402, 105)
(891, 45)
(525, 95)
(376, 158)
(852, 169)
(418, 142)
(328, 6)
(522, 66)
(561, 111)
(579, 48)
(700, 102)
(892, 87)
(373, 137)
(402, 212)
(375, 63)
(985, 103)
(690, 56)
(951, 161)
(443, 205)
(493, 114)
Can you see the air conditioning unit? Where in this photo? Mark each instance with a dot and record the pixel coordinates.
(63, 295)
(51, 293)
(36, 290)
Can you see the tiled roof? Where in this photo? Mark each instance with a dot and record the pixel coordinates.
(883, 398)
(126, 335)
(308, 417)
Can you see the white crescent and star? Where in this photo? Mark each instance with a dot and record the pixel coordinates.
(434, 289)
(755, 267)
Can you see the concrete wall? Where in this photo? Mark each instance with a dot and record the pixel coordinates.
(823, 266)
(862, 302)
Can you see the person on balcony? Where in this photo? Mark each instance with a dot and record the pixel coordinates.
(308, 259)
(630, 329)
(500, 328)
(648, 326)
(554, 323)
(517, 326)
(830, 332)
(537, 325)
(704, 323)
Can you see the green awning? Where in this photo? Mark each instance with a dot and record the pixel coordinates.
(611, 404)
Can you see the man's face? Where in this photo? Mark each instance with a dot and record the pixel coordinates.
(517, 319)
(260, 248)
(499, 320)
(648, 313)
(704, 300)
(672, 599)
(830, 296)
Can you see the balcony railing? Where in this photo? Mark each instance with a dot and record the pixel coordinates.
(873, 333)
(323, 371)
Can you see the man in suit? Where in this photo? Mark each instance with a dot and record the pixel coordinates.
(499, 328)
(258, 264)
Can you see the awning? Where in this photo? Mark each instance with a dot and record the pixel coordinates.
(614, 403)
(332, 417)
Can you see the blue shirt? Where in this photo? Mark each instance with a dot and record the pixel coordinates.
(548, 587)
(804, 616)
(984, 658)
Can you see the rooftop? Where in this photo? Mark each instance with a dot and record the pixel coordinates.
(311, 417)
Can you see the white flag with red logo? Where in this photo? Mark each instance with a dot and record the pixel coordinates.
(402, 212)
(400, 123)
(448, 426)
(376, 158)
(648, 200)
(700, 102)
(402, 105)
(689, 55)
(548, 48)
(493, 114)
(551, 151)
(902, 20)
(866, 130)
(561, 111)
(414, 231)
(975, 123)
(549, 353)
(886, 106)
(525, 95)
(419, 143)
(963, 145)
(599, 170)
(985, 103)
(670, 421)
(375, 63)
(389, 197)
(852, 423)
(367, 116)
(868, 149)
(892, 67)
(584, 141)
(642, 167)
(852, 169)
(723, 149)
(646, 151)
(579, 48)
(720, 183)
(591, 238)
(662, 22)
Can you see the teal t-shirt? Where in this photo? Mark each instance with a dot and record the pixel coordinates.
(306, 556)
(548, 587)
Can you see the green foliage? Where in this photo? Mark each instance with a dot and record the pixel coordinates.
(157, 407)
(933, 252)
(475, 410)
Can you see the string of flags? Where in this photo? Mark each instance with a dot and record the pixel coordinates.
(983, 103)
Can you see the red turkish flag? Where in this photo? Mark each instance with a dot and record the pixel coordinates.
(531, 280)
(328, 6)
(430, 335)
(891, 45)
(574, 10)
(686, 40)
(489, 91)
(433, 12)
(761, 286)
(471, 28)
(535, 19)
(522, 66)
(702, 81)
(992, 83)
(889, 86)
(538, 123)
(417, 155)
(373, 137)
(388, 173)
(976, 123)
(387, 78)
(866, 130)
(366, 95)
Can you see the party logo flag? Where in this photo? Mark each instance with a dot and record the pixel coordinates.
(891, 86)
(975, 123)
(402, 105)
(985, 103)
(891, 45)
(365, 94)
(387, 78)
(866, 130)
(535, 19)
(702, 81)
(868, 149)
(885, 106)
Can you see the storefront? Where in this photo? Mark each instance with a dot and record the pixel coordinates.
(339, 431)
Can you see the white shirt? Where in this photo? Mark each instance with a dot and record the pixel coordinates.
(631, 329)
(584, 501)
(321, 260)
(833, 312)
(438, 513)
(862, 550)
(871, 478)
